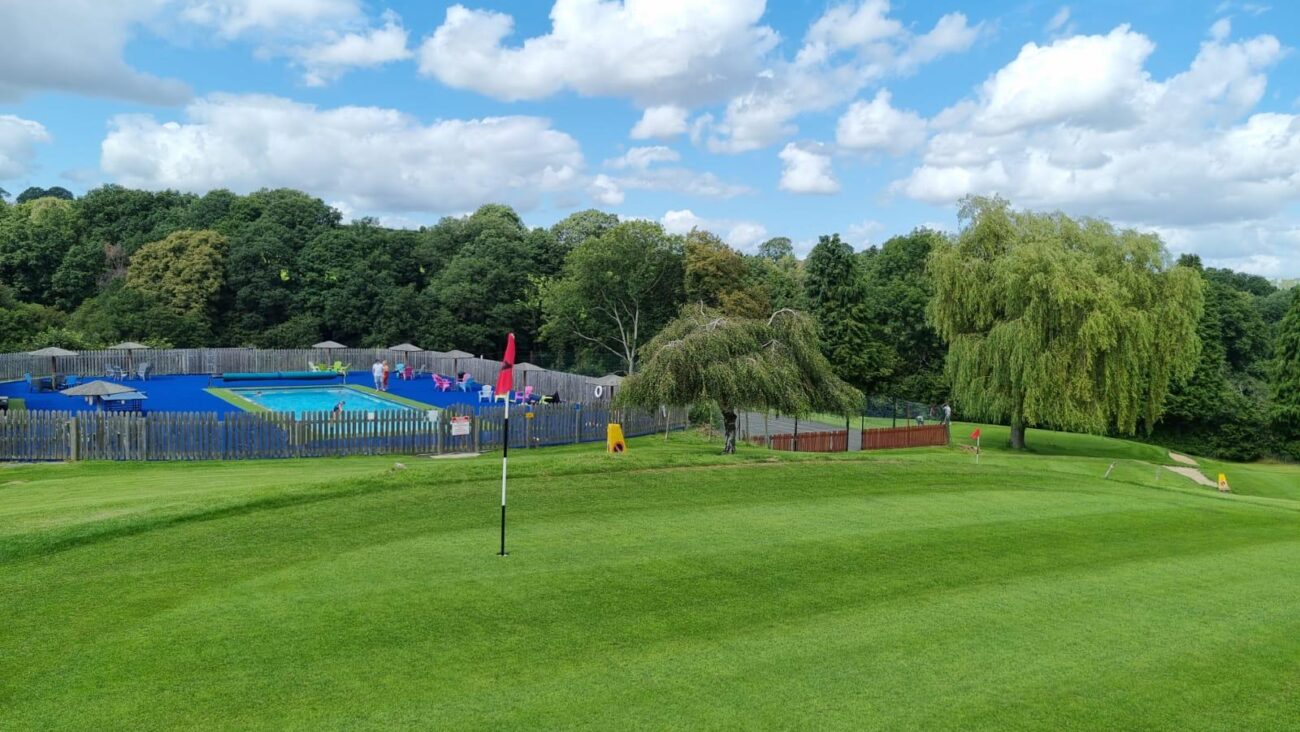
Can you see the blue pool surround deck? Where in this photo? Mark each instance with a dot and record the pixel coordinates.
(300, 399)
(189, 393)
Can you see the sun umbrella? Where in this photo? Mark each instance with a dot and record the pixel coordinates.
(329, 345)
(455, 357)
(53, 352)
(406, 348)
(130, 347)
(96, 389)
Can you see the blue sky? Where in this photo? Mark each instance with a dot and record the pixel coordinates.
(797, 118)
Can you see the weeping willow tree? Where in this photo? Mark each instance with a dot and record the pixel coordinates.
(739, 363)
(1061, 323)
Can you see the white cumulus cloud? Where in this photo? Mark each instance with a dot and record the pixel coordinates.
(76, 46)
(743, 235)
(665, 120)
(326, 61)
(371, 158)
(848, 48)
(18, 140)
(1081, 125)
(231, 18)
(641, 170)
(807, 169)
(653, 51)
(878, 126)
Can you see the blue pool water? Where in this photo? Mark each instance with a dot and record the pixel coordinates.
(301, 399)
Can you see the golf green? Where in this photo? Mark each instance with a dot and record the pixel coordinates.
(670, 587)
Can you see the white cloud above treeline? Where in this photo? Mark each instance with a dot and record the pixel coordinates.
(18, 140)
(373, 159)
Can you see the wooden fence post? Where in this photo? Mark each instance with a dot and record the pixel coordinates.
(474, 428)
(74, 438)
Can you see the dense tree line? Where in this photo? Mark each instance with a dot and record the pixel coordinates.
(279, 268)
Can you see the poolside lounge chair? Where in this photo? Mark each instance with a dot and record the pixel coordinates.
(523, 397)
(311, 366)
(399, 369)
(485, 394)
(441, 383)
(72, 380)
(144, 370)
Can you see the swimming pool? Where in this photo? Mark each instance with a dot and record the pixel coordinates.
(299, 399)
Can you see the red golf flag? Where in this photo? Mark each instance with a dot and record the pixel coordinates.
(976, 434)
(506, 379)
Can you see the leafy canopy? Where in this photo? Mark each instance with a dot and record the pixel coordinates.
(1061, 322)
(739, 363)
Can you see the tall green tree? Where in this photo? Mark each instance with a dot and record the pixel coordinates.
(185, 271)
(776, 248)
(1055, 322)
(617, 291)
(482, 290)
(578, 227)
(704, 356)
(34, 238)
(718, 276)
(1286, 376)
(898, 291)
(837, 300)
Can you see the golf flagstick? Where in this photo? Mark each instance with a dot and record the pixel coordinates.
(505, 452)
(505, 382)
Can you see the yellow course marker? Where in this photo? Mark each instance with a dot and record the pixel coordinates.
(1223, 483)
(614, 439)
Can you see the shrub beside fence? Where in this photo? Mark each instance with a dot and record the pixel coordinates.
(34, 436)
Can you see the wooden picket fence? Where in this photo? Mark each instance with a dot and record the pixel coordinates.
(889, 438)
(34, 436)
(837, 441)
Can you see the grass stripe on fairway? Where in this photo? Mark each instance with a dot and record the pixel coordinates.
(666, 588)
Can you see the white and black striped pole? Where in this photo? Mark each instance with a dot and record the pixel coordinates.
(505, 453)
(505, 382)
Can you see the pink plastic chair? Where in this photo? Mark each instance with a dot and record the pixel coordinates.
(524, 396)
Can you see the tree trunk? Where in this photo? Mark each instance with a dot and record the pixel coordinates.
(729, 430)
(1017, 432)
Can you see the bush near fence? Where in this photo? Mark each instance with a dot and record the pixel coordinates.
(33, 436)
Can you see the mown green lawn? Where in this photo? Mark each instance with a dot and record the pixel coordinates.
(666, 588)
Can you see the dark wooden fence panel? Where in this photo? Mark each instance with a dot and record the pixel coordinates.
(812, 442)
(888, 438)
(35, 436)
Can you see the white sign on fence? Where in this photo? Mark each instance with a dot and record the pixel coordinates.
(459, 426)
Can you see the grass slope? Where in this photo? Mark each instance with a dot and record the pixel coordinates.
(669, 587)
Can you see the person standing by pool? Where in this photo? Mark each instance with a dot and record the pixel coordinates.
(386, 371)
(337, 411)
(377, 372)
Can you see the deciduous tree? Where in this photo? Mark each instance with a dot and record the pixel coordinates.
(739, 363)
(1055, 322)
(837, 299)
(185, 271)
(617, 291)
